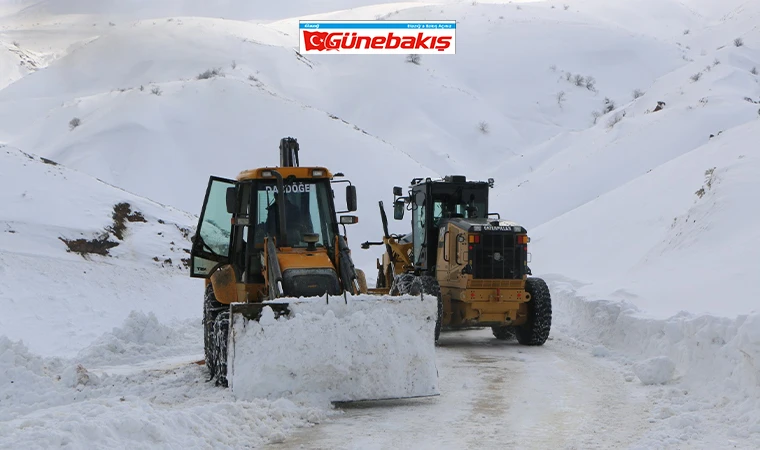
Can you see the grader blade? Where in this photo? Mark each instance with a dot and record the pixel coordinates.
(336, 349)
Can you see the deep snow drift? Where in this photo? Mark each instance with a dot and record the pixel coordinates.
(61, 402)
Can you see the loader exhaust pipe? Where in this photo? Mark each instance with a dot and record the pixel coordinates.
(289, 152)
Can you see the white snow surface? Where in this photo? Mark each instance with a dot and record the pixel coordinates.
(705, 367)
(52, 402)
(364, 348)
(657, 370)
(643, 223)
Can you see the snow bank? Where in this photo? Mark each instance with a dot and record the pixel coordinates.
(657, 370)
(54, 402)
(705, 367)
(143, 336)
(368, 347)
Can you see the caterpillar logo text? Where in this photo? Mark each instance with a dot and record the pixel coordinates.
(377, 37)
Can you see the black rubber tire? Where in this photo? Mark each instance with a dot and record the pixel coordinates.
(211, 308)
(221, 333)
(536, 330)
(407, 283)
(429, 285)
(503, 333)
(439, 319)
(402, 284)
(215, 326)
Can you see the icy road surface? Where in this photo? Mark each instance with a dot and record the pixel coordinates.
(497, 394)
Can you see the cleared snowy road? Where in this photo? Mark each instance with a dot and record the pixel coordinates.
(498, 394)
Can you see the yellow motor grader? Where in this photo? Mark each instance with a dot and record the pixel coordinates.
(474, 263)
(269, 243)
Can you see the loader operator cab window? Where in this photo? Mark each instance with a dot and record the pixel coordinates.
(307, 210)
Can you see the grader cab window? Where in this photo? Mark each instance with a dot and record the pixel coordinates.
(466, 203)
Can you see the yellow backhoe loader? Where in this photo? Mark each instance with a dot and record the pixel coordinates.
(269, 247)
(474, 263)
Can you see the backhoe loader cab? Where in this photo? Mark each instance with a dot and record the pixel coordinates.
(289, 208)
(475, 262)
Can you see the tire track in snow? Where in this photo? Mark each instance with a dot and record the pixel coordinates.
(497, 394)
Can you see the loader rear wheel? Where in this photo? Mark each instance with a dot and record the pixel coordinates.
(536, 330)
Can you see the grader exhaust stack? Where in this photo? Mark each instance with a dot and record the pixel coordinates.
(286, 313)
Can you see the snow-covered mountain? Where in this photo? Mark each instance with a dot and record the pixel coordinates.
(622, 134)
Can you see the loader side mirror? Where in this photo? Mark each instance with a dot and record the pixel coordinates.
(351, 197)
(397, 192)
(398, 209)
(348, 220)
(231, 200)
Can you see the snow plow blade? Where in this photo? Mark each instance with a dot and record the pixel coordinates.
(336, 349)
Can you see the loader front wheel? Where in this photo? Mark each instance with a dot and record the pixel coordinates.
(429, 285)
(215, 331)
(536, 330)
(219, 348)
(439, 319)
(211, 308)
(402, 284)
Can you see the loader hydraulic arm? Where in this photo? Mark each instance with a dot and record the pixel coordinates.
(274, 274)
(387, 235)
(282, 240)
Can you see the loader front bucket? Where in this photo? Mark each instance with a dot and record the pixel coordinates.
(336, 349)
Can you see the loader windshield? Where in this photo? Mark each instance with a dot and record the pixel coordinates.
(308, 209)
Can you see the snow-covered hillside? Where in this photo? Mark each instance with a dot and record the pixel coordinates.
(622, 134)
(77, 255)
(145, 116)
